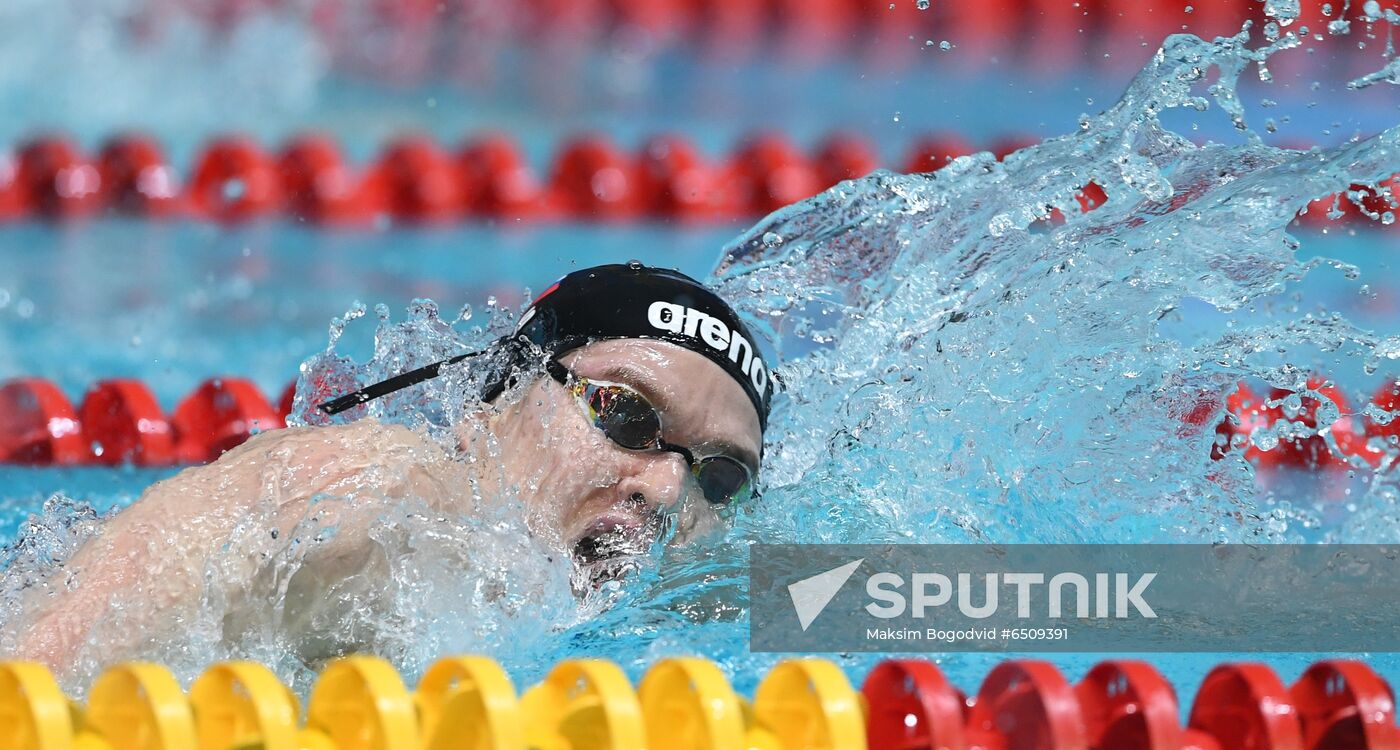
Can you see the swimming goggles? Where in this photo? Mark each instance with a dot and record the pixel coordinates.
(627, 418)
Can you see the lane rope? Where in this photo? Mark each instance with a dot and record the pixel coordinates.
(119, 421)
(417, 181)
(685, 703)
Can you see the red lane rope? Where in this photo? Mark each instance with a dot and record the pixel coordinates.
(119, 421)
(1127, 705)
(416, 181)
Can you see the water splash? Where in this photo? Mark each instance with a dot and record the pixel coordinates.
(399, 346)
(968, 356)
(1002, 376)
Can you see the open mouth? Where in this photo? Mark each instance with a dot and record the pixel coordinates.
(607, 551)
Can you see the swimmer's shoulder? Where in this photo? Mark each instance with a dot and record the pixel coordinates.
(365, 456)
(290, 464)
(363, 434)
(307, 455)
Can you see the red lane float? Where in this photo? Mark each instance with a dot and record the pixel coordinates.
(497, 181)
(593, 179)
(1090, 197)
(675, 182)
(38, 425)
(56, 181)
(234, 180)
(420, 181)
(811, 30)
(1128, 705)
(219, 416)
(731, 30)
(843, 156)
(416, 181)
(120, 422)
(320, 187)
(123, 423)
(912, 705)
(1246, 707)
(1344, 704)
(1026, 705)
(136, 179)
(767, 173)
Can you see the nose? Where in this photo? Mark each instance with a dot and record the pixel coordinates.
(658, 479)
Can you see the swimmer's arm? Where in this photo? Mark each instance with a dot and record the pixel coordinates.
(346, 535)
(155, 553)
(149, 554)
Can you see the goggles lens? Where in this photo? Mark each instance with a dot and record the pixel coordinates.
(722, 479)
(628, 419)
(623, 415)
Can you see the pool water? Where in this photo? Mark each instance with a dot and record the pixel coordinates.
(172, 305)
(1026, 424)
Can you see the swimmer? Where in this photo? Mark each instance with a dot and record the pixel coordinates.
(629, 400)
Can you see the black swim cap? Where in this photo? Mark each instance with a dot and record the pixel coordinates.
(620, 301)
(627, 301)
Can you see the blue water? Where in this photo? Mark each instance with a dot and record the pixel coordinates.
(79, 67)
(1037, 420)
(172, 304)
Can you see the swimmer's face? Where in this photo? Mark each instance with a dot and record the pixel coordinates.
(594, 497)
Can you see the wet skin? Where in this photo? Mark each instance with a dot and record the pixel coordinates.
(579, 491)
(589, 484)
